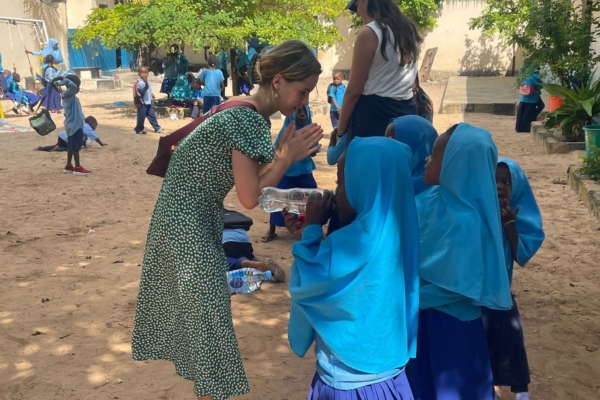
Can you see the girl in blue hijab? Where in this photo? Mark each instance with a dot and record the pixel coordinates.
(417, 133)
(523, 235)
(50, 49)
(462, 267)
(355, 294)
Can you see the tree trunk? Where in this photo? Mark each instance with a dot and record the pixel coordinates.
(234, 72)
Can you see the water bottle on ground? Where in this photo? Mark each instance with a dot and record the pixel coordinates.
(246, 280)
(275, 200)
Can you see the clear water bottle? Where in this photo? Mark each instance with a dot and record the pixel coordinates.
(275, 200)
(246, 280)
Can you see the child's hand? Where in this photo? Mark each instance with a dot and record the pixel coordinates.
(318, 208)
(507, 214)
(292, 222)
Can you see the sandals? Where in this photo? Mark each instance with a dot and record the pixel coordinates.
(278, 273)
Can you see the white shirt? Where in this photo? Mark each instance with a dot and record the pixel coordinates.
(388, 78)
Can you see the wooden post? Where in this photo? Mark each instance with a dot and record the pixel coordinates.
(234, 72)
(425, 70)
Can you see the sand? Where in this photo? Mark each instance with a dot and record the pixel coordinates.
(71, 249)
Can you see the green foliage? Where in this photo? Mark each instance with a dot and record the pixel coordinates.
(421, 12)
(507, 18)
(591, 165)
(581, 105)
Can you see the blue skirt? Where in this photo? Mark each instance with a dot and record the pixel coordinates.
(453, 362)
(396, 388)
(209, 102)
(506, 345)
(167, 85)
(305, 181)
(372, 114)
(51, 99)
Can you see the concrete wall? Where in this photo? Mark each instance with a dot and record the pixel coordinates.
(78, 10)
(460, 50)
(596, 46)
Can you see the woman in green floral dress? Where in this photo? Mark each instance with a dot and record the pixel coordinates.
(184, 312)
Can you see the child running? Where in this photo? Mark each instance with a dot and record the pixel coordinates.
(355, 294)
(89, 132)
(335, 97)
(462, 267)
(145, 98)
(212, 79)
(299, 175)
(417, 133)
(74, 120)
(523, 235)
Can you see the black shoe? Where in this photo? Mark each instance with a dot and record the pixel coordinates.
(141, 133)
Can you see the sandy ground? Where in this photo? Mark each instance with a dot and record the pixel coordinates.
(78, 242)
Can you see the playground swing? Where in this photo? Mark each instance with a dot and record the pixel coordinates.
(37, 90)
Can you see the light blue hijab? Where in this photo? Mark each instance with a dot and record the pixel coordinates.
(529, 219)
(49, 49)
(358, 289)
(461, 250)
(417, 133)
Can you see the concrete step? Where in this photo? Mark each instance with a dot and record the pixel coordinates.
(101, 84)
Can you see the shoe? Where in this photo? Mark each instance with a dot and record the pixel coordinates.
(15, 110)
(159, 130)
(141, 133)
(68, 169)
(80, 171)
(25, 110)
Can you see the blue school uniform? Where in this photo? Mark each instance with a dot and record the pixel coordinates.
(504, 331)
(50, 50)
(461, 269)
(353, 293)
(50, 96)
(299, 174)
(74, 118)
(336, 92)
(212, 79)
(417, 133)
(335, 152)
(530, 106)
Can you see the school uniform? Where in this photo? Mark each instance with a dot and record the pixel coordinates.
(50, 95)
(354, 295)
(530, 106)
(237, 247)
(146, 109)
(74, 118)
(212, 79)
(337, 93)
(387, 93)
(504, 330)
(63, 138)
(299, 175)
(196, 95)
(172, 71)
(462, 269)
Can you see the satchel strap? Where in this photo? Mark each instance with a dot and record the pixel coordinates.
(182, 132)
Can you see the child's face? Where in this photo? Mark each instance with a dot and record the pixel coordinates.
(143, 72)
(301, 116)
(345, 211)
(503, 181)
(433, 166)
(337, 79)
(5, 73)
(197, 86)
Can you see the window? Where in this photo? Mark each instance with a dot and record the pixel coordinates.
(102, 5)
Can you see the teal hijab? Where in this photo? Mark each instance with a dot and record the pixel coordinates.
(461, 251)
(181, 90)
(529, 219)
(358, 289)
(417, 133)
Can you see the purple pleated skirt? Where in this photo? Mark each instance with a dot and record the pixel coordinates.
(396, 388)
(51, 99)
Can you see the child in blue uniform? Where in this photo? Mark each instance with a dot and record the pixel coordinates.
(523, 235)
(462, 268)
(89, 132)
(335, 97)
(197, 97)
(530, 106)
(299, 175)
(355, 294)
(212, 79)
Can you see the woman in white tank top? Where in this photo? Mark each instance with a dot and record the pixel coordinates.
(383, 72)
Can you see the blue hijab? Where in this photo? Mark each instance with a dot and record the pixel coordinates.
(358, 289)
(56, 53)
(417, 133)
(461, 251)
(529, 219)
(307, 165)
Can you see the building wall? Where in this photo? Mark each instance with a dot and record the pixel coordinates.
(78, 10)
(460, 50)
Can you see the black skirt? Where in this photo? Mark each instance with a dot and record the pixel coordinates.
(528, 113)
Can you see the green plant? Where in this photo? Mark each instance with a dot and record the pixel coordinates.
(581, 105)
(591, 165)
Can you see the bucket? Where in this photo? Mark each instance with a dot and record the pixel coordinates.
(592, 138)
(555, 102)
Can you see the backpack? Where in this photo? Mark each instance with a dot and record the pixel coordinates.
(236, 220)
(526, 90)
(137, 100)
(329, 98)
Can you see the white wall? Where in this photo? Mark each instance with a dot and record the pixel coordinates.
(78, 10)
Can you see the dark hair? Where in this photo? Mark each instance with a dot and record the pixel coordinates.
(212, 60)
(174, 48)
(75, 79)
(16, 77)
(49, 59)
(91, 121)
(407, 40)
(198, 81)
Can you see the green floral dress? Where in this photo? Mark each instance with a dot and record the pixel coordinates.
(184, 311)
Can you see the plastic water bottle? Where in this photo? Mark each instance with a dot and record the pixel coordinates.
(275, 200)
(246, 280)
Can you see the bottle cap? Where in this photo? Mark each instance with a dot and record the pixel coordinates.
(269, 275)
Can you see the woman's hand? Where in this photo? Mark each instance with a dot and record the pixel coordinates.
(318, 208)
(297, 145)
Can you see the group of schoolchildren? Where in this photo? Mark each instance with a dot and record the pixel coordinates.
(410, 295)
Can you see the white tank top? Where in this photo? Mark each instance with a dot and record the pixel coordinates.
(388, 78)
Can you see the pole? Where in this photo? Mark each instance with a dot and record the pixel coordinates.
(11, 48)
(23, 41)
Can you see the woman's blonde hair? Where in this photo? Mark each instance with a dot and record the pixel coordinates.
(292, 59)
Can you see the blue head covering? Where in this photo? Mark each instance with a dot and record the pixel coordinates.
(181, 90)
(417, 133)
(529, 219)
(358, 289)
(242, 62)
(307, 165)
(461, 251)
(56, 53)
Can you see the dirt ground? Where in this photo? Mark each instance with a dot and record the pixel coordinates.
(72, 248)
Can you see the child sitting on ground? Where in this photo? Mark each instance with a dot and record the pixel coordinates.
(197, 97)
(523, 235)
(74, 120)
(89, 132)
(299, 175)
